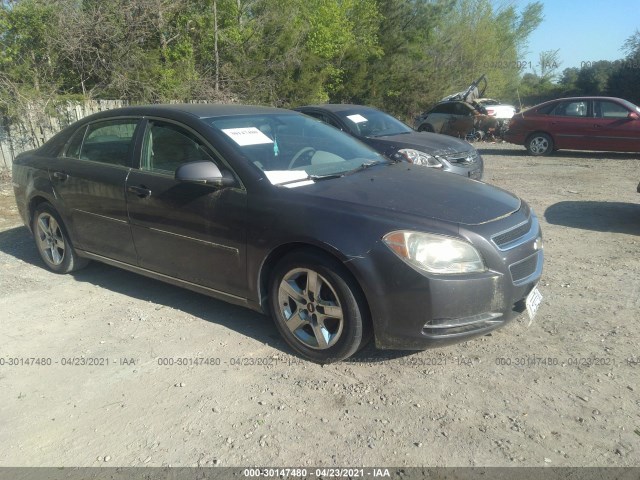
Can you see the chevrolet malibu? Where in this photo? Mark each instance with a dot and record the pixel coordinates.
(281, 213)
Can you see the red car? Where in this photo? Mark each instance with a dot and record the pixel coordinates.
(578, 123)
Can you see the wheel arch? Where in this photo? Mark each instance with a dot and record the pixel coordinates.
(33, 204)
(272, 259)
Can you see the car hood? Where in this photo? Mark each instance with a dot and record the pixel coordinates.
(417, 191)
(431, 143)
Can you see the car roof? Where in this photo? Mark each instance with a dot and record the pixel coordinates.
(198, 110)
(339, 107)
(586, 97)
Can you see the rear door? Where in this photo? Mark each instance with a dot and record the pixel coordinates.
(613, 130)
(89, 180)
(184, 230)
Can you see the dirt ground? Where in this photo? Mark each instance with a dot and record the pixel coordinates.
(563, 391)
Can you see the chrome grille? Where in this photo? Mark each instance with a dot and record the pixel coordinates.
(507, 239)
(511, 235)
(462, 158)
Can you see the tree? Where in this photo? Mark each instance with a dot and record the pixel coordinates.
(400, 55)
(625, 77)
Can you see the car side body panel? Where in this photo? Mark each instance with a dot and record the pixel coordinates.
(193, 232)
(590, 132)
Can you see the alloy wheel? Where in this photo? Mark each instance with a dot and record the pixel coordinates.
(50, 239)
(539, 145)
(310, 308)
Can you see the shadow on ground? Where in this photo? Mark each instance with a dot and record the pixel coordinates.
(516, 151)
(617, 217)
(18, 243)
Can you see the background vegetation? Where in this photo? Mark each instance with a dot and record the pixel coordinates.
(399, 55)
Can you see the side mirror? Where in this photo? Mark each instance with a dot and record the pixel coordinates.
(204, 172)
(633, 116)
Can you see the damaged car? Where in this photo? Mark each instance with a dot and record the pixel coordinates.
(278, 212)
(457, 119)
(392, 138)
(466, 114)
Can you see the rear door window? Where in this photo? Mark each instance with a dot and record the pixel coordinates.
(572, 109)
(109, 142)
(546, 109)
(75, 143)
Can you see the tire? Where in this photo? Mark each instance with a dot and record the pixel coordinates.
(52, 241)
(540, 144)
(325, 323)
(425, 127)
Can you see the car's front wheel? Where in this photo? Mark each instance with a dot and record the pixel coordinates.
(53, 241)
(540, 144)
(425, 127)
(317, 307)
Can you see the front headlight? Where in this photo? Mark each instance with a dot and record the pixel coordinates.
(434, 253)
(420, 158)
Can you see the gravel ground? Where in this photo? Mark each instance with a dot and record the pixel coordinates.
(562, 391)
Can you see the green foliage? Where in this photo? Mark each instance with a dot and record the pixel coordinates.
(400, 55)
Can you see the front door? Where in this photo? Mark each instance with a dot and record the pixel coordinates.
(613, 129)
(189, 231)
(572, 125)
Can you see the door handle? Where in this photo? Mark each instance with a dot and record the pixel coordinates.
(597, 126)
(60, 176)
(141, 191)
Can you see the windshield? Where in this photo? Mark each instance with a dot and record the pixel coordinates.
(373, 123)
(631, 106)
(291, 147)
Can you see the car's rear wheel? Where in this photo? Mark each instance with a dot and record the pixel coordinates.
(53, 242)
(540, 144)
(317, 307)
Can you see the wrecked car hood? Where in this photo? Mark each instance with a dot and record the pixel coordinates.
(417, 191)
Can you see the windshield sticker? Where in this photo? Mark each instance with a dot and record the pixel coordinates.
(357, 118)
(247, 136)
(288, 178)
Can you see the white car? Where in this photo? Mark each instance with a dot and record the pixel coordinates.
(496, 109)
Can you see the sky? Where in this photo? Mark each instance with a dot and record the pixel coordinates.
(583, 30)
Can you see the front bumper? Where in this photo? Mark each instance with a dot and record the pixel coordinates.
(413, 310)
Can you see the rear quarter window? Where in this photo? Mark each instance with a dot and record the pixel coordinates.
(546, 109)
